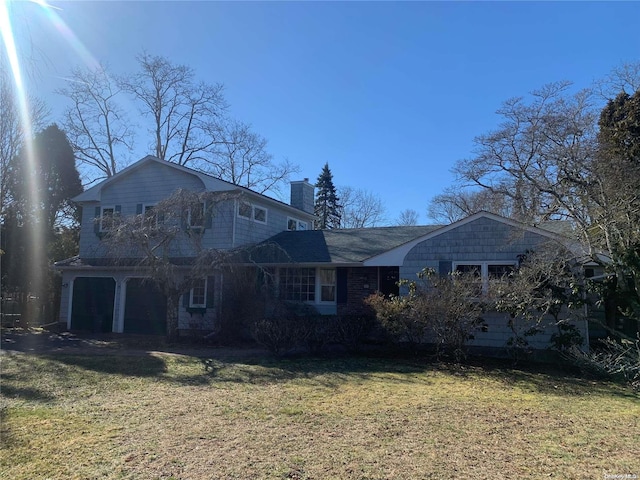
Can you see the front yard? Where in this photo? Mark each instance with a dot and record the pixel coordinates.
(162, 416)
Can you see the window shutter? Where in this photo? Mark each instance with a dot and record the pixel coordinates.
(118, 209)
(139, 209)
(444, 268)
(208, 214)
(211, 291)
(341, 286)
(185, 299)
(96, 221)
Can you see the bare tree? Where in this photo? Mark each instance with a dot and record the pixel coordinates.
(96, 125)
(241, 157)
(184, 114)
(560, 155)
(408, 217)
(540, 154)
(165, 244)
(456, 203)
(360, 208)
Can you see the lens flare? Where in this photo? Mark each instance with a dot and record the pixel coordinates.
(67, 34)
(36, 273)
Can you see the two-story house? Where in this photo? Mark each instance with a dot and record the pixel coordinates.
(332, 271)
(100, 294)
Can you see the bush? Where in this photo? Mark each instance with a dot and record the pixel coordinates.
(351, 331)
(439, 310)
(278, 332)
(616, 358)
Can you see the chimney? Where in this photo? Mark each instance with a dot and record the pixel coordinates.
(302, 195)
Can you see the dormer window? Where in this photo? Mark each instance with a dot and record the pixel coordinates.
(252, 212)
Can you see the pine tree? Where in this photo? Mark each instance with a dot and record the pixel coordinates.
(327, 208)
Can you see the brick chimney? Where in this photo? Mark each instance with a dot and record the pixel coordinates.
(302, 195)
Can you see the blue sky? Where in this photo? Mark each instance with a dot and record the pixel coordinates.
(389, 94)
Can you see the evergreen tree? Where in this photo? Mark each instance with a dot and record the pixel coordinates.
(39, 217)
(327, 207)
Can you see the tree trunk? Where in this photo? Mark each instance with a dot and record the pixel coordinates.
(173, 305)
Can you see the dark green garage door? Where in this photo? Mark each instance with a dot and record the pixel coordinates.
(92, 306)
(145, 309)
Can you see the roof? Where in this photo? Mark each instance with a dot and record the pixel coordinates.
(209, 183)
(365, 246)
(339, 246)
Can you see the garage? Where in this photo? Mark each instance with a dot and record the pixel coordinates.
(92, 307)
(145, 310)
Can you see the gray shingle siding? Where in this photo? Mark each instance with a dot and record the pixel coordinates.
(484, 240)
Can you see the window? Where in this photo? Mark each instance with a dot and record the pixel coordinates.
(196, 216)
(298, 284)
(198, 295)
(244, 210)
(252, 212)
(150, 217)
(473, 274)
(106, 218)
(327, 285)
(485, 272)
(295, 224)
(497, 272)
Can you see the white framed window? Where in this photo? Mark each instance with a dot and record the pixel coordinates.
(107, 215)
(198, 294)
(252, 212)
(298, 284)
(327, 281)
(310, 285)
(485, 271)
(295, 224)
(196, 216)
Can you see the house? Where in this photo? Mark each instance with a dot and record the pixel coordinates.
(105, 296)
(330, 270)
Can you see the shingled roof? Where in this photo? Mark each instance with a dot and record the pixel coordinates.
(341, 246)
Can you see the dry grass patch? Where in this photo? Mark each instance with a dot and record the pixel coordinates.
(165, 416)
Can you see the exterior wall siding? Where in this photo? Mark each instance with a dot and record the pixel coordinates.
(147, 185)
(483, 240)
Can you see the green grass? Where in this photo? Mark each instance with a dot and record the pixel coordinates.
(160, 416)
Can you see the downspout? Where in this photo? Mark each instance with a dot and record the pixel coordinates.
(234, 216)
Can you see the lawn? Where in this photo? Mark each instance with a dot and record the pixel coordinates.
(163, 416)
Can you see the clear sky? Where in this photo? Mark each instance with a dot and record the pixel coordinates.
(390, 94)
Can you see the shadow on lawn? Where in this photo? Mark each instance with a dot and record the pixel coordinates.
(11, 390)
(553, 379)
(139, 365)
(326, 371)
(333, 371)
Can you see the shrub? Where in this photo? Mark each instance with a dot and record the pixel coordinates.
(439, 310)
(279, 331)
(351, 331)
(616, 358)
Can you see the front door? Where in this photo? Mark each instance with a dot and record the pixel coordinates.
(389, 277)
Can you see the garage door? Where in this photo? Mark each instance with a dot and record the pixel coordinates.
(145, 309)
(92, 306)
